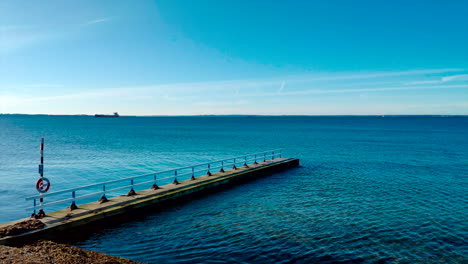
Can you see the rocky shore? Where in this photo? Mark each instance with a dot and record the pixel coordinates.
(21, 227)
(46, 252)
(42, 252)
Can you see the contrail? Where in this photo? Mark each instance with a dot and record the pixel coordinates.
(281, 87)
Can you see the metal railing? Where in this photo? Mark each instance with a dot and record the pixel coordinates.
(166, 176)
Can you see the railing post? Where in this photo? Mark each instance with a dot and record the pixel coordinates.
(175, 178)
(245, 162)
(222, 166)
(103, 197)
(273, 155)
(264, 156)
(73, 204)
(34, 204)
(255, 162)
(41, 212)
(234, 167)
(208, 172)
(155, 185)
(193, 174)
(132, 191)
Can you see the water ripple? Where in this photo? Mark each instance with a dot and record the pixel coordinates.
(369, 190)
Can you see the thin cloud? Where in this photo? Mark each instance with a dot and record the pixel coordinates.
(43, 85)
(458, 77)
(15, 28)
(97, 94)
(281, 87)
(222, 103)
(13, 37)
(423, 82)
(372, 75)
(97, 21)
(384, 89)
(298, 85)
(292, 80)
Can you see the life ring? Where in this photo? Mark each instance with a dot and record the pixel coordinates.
(42, 185)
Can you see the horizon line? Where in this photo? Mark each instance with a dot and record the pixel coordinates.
(260, 115)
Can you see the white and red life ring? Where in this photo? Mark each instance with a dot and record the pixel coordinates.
(42, 185)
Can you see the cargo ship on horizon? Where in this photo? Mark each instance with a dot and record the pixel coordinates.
(114, 115)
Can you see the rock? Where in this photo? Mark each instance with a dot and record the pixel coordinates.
(42, 252)
(21, 227)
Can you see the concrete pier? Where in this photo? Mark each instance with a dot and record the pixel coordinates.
(59, 222)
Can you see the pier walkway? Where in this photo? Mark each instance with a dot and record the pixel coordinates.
(108, 208)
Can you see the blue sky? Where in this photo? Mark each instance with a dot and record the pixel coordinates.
(177, 57)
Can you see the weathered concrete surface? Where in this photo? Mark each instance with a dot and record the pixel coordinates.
(87, 214)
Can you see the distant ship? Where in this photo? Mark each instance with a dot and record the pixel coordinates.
(114, 115)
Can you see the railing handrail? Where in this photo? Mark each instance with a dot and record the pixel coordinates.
(143, 175)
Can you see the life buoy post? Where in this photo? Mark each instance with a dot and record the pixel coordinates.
(42, 184)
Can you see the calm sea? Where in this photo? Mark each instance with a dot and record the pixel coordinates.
(370, 189)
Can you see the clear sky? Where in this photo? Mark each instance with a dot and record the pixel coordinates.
(181, 57)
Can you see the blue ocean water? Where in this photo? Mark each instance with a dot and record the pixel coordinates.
(369, 189)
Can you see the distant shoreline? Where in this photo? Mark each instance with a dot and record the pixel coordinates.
(92, 115)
